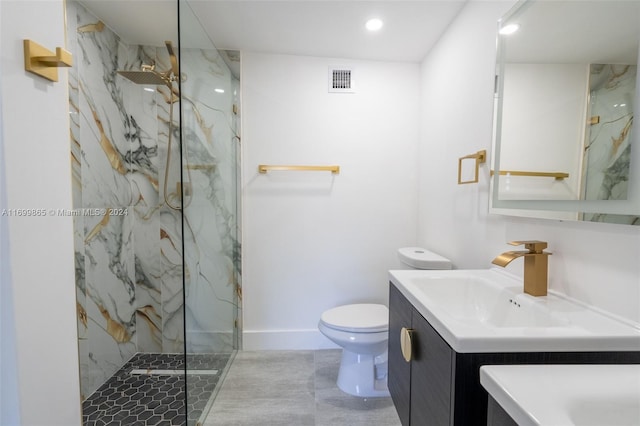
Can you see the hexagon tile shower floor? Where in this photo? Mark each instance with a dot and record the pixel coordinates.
(150, 390)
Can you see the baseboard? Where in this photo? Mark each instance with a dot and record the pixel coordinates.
(256, 340)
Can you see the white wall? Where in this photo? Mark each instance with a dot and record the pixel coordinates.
(312, 240)
(9, 401)
(597, 263)
(38, 175)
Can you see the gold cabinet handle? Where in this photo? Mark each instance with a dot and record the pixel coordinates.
(405, 343)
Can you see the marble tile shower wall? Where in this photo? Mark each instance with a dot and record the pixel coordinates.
(129, 261)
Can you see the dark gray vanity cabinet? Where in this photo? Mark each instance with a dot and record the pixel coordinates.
(441, 387)
(420, 389)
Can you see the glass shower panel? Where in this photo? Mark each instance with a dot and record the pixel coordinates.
(128, 240)
(155, 157)
(210, 141)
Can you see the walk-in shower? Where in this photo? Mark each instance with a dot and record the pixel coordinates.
(154, 132)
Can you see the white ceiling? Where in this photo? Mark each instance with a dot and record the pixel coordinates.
(581, 32)
(327, 28)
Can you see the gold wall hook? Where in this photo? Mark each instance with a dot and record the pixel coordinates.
(43, 62)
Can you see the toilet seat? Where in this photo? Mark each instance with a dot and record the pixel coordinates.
(357, 318)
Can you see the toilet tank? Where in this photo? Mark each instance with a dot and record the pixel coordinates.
(421, 258)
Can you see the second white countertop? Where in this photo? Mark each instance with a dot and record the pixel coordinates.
(558, 395)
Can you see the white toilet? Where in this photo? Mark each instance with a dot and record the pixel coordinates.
(362, 330)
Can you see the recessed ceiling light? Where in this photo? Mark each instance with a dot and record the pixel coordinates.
(374, 24)
(509, 29)
(149, 89)
(219, 90)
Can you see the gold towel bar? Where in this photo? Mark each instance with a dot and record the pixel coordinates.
(556, 175)
(264, 168)
(43, 62)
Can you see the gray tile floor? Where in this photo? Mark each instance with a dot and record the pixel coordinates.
(293, 388)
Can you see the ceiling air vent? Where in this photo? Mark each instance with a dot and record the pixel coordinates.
(341, 80)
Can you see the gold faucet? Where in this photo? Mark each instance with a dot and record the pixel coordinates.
(535, 265)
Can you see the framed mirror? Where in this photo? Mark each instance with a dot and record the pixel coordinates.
(564, 104)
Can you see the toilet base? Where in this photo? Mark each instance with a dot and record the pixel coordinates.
(363, 375)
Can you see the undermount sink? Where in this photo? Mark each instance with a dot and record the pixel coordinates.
(550, 395)
(487, 311)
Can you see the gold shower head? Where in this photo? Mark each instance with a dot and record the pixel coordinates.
(146, 77)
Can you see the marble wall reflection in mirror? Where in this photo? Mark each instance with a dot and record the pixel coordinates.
(564, 106)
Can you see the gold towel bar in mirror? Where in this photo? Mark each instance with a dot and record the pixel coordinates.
(263, 168)
(555, 175)
(43, 62)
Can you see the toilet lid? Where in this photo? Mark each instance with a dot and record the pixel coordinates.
(363, 318)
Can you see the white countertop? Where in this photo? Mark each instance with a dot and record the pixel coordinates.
(486, 310)
(559, 395)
